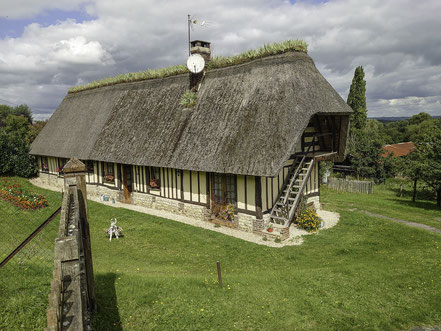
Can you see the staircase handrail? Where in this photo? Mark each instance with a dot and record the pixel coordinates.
(300, 166)
(299, 194)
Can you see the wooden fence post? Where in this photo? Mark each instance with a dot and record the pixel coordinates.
(75, 173)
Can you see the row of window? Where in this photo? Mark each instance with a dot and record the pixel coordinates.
(107, 171)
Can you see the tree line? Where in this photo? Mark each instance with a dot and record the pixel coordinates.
(368, 136)
(17, 131)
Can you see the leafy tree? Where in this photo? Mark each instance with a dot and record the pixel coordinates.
(365, 155)
(35, 129)
(430, 149)
(14, 147)
(412, 166)
(419, 118)
(357, 99)
(5, 110)
(23, 110)
(16, 125)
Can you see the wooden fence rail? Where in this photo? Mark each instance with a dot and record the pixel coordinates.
(353, 186)
(72, 296)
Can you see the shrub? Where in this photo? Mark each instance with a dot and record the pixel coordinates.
(227, 213)
(300, 208)
(308, 220)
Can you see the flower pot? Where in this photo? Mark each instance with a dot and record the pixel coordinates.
(270, 230)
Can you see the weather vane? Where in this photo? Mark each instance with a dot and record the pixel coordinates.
(192, 21)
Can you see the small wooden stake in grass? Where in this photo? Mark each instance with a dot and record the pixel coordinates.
(219, 274)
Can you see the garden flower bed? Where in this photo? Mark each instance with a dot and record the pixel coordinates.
(12, 192)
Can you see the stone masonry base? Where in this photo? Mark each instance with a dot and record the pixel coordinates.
(243, 222)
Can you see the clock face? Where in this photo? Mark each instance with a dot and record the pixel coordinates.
(195, 63)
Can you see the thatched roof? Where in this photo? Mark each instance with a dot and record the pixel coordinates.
(247, 119)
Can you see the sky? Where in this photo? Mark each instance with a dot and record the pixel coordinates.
(48, 46)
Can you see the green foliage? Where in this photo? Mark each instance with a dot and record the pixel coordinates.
(365, 154)
(14, 144)
(301, 207)
(21, 110)
(429, 147)
(325, 168)
(188, 99)
(35, 129)
(412, 129)
(357, 99)
(308, 220)
(216, 62)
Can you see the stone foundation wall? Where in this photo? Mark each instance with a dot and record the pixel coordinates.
(52, 180)
(99, 191)
(245, 222)
(173, 206)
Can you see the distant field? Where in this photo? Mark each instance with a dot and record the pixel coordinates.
(365, 274)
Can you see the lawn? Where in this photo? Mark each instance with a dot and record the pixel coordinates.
(365, 273)
(386, 201)
(25, 280)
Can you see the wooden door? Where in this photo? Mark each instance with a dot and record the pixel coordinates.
(127, 183)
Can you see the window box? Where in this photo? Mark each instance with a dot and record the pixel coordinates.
(154, 183)
(109, 178)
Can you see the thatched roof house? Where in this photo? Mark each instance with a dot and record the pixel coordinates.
(250, 120)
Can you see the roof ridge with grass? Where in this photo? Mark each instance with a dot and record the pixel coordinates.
(215, 63)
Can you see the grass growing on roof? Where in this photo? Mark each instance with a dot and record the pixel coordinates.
(188, 99)
(216, 62)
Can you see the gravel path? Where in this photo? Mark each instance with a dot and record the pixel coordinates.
(296, 235)
(413, 224)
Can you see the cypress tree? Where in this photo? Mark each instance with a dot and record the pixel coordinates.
(357, 99)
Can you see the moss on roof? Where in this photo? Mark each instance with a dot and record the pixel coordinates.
(215, 62)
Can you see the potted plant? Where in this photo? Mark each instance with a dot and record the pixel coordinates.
(110, 178)
(60, 171)
(270, 228)
(154, 183)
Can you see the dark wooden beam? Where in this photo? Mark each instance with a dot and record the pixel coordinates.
(182, 185)
(319, 127)
(207, 181)
(258, 199)
(245, 184)
(199, 189)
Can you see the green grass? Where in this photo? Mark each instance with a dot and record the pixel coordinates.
(215, 63)
(25, 280)
(386, 201)
(365, 273)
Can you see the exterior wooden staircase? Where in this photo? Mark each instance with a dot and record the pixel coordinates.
(293, 188)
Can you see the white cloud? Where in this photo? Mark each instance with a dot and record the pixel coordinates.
(397, 42)
(29, 8)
